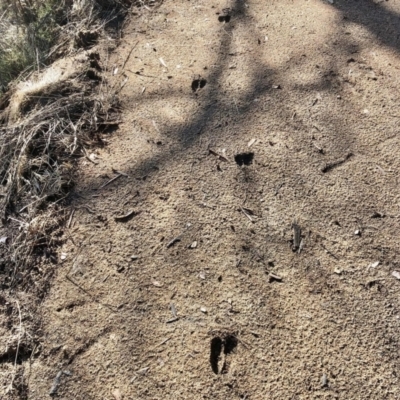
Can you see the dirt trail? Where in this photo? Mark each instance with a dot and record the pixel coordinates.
(311, 90)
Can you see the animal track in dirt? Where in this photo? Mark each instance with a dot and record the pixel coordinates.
(225, 15)
(244, 158)
(198, 84)
(220, 348)
(215, 353)
(224, 18)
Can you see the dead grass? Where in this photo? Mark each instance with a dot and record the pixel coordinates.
(33, 33)
(48, 120)
(56, 105)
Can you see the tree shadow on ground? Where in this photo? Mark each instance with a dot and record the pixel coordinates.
(299, 122)
(377, 17)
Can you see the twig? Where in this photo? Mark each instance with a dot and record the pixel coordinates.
(109, 306)
(246, 214)
(70, 218)
(221, 157)
(335, 164)
(129, 55)
(110, 181)
(56, 384)
(173, 241)
(330, 253)
(57, 381)
(296, 236)
(119, 172)
(33, 202)
(160, 344)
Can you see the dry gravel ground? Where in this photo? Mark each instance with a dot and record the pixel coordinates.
(311, 90)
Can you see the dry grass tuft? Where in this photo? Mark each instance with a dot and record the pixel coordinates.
(46, 123)
(59, 106)
(49, 123)
(34, 33)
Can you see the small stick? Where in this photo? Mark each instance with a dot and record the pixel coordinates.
(57, 381)
(335, 164)
(173, 241)
(247, 215)
(274, 277)
(163, 342)
(56, 384)
(33, 202)
(330, 253)
(129, 55)
(70, 218)
(301, 245)
(131, 213)
(296, 236)
(119, 172)
(214, 153)
(110, 181)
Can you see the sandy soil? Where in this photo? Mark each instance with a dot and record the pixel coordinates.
(183, 278)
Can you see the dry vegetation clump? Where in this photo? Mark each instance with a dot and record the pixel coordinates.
(56, 104)
(47, 120)
(33, 33)
(57, 108)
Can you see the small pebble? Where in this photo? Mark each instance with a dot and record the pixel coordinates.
(396, 274)
(373, 265)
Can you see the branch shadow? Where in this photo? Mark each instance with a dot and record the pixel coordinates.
(294, 134)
